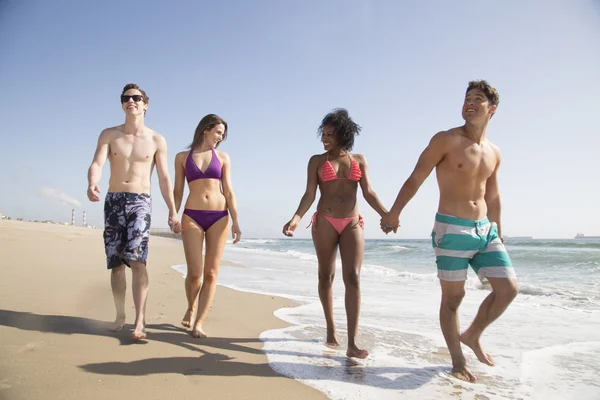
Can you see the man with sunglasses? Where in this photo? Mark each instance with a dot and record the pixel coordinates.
(132, 150)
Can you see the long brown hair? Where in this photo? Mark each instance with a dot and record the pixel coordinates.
(207, 123)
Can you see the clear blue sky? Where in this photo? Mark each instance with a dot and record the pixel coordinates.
(273, 69)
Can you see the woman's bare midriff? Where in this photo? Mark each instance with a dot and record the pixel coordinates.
(338, 199)
(206, 194)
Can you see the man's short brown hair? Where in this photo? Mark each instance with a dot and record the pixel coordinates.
(491, 93)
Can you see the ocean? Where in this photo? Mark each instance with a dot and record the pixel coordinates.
(545, 345)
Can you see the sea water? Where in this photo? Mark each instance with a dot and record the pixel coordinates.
(545, 346)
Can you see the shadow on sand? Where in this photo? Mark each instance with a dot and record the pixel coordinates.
(212, 362)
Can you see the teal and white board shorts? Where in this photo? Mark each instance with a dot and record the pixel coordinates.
(459, 242)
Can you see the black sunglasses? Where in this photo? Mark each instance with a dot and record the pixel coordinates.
(136, 97)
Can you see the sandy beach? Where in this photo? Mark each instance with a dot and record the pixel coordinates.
(56, 305)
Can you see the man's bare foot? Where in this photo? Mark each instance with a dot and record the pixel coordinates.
(187, 318)
(118, 325)
(473, 343)
(198, 332)
(331, 339)
(139, 333)
(356, 352)
(463, 374)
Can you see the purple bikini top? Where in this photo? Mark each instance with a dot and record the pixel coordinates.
(192, 172)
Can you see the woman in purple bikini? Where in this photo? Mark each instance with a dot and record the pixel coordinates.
(206, 216)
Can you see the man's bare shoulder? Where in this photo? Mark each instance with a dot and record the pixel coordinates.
(495, 148)
(112, 133)
(157, 137)
(446, 138)
(451, 134)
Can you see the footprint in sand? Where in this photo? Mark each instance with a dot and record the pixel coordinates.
(30, 347)
(4, 384)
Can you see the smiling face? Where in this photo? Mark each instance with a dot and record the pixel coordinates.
(477, 108)
(133, 103)
(214, 136)
(328, 138)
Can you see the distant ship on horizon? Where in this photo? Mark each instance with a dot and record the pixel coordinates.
(582, 236)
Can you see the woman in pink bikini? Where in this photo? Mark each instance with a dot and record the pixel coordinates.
(205, 217)
(337, 223)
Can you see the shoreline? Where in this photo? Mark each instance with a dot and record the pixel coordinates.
(56, 306)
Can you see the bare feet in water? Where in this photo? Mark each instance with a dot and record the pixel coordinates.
(473, 343)
(356, 352)
(118, 325)
(187, 318)
(463, 374)
(331, 339)
(198, 332)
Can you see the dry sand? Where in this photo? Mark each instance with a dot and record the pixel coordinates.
(56, 305)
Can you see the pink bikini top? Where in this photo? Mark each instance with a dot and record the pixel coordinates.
(328, 173)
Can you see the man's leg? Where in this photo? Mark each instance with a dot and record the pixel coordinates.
(118, 283)
(452, 295)
(139, 216)
(493, 264)
(140, 295)
(504, 290)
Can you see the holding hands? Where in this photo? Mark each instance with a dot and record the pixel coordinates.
(390, 222)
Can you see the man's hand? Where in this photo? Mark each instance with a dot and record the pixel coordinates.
(236, 233)
(174, 223)
(91, 193)
(390, 222)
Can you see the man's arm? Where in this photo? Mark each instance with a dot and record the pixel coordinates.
(492, 196)
(95, 170)
(179, 180)
(164, 180)
(430, 157)
(368, 192)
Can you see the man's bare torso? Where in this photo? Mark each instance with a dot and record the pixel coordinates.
(131, 160)
(462, 175)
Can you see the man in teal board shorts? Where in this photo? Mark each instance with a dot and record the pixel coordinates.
(467, 227)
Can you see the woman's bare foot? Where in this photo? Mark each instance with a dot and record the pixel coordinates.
(473, 342)
(139, 333)
(187, 318)
(118, 325)
(331, 339)
(463, 374)
(198, 332)
(356, 352)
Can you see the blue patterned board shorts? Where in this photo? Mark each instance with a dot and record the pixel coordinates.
(127, 219)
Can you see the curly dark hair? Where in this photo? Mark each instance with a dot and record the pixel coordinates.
(345, 128)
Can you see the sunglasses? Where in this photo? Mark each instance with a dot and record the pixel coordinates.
(136, 97)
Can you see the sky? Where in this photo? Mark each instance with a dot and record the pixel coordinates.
(273, 69)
